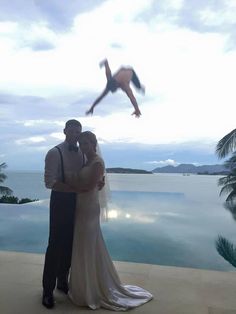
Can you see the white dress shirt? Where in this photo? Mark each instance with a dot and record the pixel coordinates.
(72, 162)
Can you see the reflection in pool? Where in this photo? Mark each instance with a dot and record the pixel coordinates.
(166, 228)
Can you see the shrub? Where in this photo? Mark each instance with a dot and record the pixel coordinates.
(14, 200)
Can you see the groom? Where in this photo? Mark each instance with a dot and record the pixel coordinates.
(61, 161)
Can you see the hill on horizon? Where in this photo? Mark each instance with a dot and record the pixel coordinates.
(190, 168)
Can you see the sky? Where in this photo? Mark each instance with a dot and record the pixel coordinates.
(184, 52)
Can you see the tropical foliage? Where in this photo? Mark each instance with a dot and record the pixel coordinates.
(4, 189)
(227, 250)
(226, 146)
(15, 200)
(228, 182)
(6, 192)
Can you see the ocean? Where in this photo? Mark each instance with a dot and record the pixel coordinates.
(164, 219)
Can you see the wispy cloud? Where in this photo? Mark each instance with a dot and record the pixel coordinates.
(57, 15)
(30, 140)
(161, 163)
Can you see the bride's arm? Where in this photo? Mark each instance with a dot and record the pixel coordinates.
(96, 175)
(74, 183)
(95, 179)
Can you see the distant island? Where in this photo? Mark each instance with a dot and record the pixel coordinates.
(190, 168)
(127, 170)
(185, 169)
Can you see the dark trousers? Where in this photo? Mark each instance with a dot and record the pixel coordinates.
(135, 80)
(59, 250)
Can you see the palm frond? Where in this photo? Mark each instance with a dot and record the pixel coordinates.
(229, 188)
(229, 179)
(231, 162)
(2, 177)
(3, 165)
(226, 145)
(5, 190)
(226, 249)
(231, 206)
(231, 197)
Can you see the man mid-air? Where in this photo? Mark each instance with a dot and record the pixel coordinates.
(121, 79)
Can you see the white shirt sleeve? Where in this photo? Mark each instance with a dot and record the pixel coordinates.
(52, 168)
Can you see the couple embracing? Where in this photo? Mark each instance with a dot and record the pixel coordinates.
(77, 261)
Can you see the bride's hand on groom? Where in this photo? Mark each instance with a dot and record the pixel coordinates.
(101, 183)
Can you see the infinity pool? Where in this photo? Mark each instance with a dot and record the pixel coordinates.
(166, 220)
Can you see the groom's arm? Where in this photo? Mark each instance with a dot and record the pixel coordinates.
(52, 171)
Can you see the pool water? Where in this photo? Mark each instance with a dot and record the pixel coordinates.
(157, 219)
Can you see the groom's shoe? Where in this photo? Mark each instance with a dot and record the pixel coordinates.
(48, 300)
(63, 287)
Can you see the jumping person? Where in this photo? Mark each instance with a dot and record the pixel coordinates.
(121, 79)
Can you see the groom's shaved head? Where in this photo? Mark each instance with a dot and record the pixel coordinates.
(72, 131)
(73, 122)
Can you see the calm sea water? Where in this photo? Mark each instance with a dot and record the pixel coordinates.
(165, 219)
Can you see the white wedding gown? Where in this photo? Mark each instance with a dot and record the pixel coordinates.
(94, 281)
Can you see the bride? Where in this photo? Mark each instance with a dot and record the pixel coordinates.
(94, 281)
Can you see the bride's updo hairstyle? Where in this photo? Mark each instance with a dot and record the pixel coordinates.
(89, 136)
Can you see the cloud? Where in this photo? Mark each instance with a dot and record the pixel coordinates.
(215, 17)
(116, 45)
(58, 15)
(182, 51)
(161, 163)
(25, 107)
(41, 45)
(199, 16)
(30, 140)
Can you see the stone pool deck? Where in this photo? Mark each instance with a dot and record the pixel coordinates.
(176, 290)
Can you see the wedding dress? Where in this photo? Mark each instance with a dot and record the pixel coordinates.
(94, 281)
